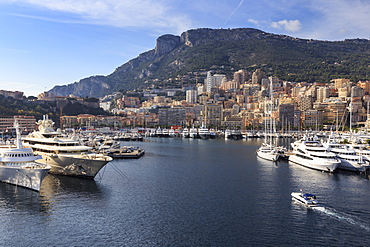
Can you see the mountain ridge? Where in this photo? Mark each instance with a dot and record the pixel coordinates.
(201, 49)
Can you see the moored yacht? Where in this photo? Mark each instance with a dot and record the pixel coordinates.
(351, 160)
(203, 132)
(268, 152)
(312, 154)
(18, 166)
(185, 133)
(66, 156)
(193, 133)
(361, 149)
(228, 134)
(212, 134)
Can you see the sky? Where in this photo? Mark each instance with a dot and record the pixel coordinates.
(44, 43)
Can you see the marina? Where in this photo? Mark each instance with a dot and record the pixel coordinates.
(194, 192)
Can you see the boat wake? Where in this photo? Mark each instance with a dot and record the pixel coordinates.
(350, 219)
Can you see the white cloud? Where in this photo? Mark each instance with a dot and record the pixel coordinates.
(255, 22)
(341, 19)
(288, 25)
(157, 15)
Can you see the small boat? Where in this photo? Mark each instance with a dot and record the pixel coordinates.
(116, 151)
(125, 153)
(307, 199)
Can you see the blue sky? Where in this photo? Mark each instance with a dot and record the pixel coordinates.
(44, 43)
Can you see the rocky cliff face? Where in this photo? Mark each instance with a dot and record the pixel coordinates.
(205, 35)
(166, 43)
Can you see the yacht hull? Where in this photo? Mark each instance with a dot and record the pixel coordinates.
(79, 166)
(268, 155)
(30, 178)
(204, 136)
(321, 165)
(352, 166)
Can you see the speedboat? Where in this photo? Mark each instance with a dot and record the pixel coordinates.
(307, 199)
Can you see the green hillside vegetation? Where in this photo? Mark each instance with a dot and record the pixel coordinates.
(288, 60)
(10, 107)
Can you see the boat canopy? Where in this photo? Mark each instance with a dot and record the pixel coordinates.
(306, 196)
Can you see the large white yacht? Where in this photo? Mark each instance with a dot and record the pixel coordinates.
(361, 149)
(351, 160)
(18, 166)
(312, 154)
(203, 132)
(66, 156)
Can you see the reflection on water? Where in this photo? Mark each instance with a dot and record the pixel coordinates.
(22, 199)
(53, 184)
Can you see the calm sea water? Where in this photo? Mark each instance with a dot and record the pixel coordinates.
(189, 193)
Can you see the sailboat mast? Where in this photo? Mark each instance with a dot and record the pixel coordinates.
(350, 113)
(272, 124)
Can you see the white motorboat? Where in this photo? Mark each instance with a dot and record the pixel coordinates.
(193, 133)
(312, 154)
(308, 200)
(268, 152)
(212, 134)
(18, 166)
(203, 132)
(185, 133)
(65, 155)
(228, 134)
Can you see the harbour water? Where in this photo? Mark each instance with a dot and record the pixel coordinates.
(186, 192)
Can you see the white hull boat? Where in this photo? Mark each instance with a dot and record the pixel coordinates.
(65, 155)
(309, 200)
(268, 152)
(313, 154)
(18, 166)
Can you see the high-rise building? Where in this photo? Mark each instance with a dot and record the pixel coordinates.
(341, 82)
(241, 76)
(286, 114)
(322, 94)
(213, 81)
(191, 96)
(257, 76)
(213, 114)
(172, 116)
